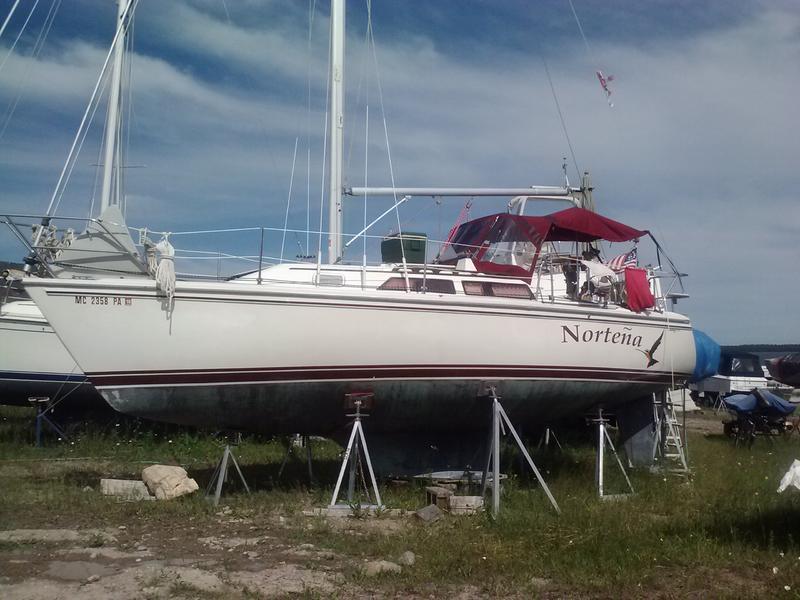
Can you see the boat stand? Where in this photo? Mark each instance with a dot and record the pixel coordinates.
(356, 443)
(221, 475)
(547, 437)
(499, 418)
(290, 451)
(44, 406)
(604, 439)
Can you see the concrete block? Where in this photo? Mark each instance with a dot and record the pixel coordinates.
(429, 514)
(438, 495)
(465, 505)
(126, 489)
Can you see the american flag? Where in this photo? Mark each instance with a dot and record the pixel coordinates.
(623, 261)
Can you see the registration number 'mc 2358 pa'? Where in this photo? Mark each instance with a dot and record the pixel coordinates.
(104, 300)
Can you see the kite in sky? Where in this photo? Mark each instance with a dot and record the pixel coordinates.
(604, 81)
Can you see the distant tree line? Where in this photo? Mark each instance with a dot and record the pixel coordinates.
(762, 348)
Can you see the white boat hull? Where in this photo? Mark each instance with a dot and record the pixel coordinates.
(276, 358)
(34, 362)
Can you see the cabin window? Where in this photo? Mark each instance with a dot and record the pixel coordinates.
(500, 290)
(328, 279)
(511, 290)
(415, 284)
(474, 288)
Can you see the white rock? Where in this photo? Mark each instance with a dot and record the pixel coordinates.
(375, 567)
(167, 482)
(407, 558)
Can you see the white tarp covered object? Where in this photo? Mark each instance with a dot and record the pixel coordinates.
(792, 477)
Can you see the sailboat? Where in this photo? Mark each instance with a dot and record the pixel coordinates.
(33, 361)
(278, 350)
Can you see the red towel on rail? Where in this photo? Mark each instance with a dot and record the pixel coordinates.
(638, 288)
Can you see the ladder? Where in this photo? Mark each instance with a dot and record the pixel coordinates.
(668, 442)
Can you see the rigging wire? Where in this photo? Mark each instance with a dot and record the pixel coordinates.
(19, 34)
(603, 79)
(129, 55)
(80, 136)
(36, 50)
(312, 9)
(227, 13)
(8, 18)
(560, 113)
(583, 35)
(386, 135)
(324, 160)
(289, 198)
(362, 76)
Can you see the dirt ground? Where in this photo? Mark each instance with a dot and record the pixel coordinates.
(705, 422)
(232, 556)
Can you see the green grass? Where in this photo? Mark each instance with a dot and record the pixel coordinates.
(719, 534)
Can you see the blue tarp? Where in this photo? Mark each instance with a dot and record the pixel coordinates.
(707, 355)
(759, 401)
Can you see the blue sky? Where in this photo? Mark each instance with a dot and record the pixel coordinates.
(701, 146)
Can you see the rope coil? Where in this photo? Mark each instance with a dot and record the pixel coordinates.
(165, 271)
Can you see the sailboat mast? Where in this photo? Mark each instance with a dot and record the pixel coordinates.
(337, 130)
(110, 191)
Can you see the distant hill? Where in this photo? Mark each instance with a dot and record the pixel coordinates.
(4, 264)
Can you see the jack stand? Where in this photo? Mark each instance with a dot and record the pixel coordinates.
(221, 475)
(43, 406)
(548, 436)
(306, 442)
(499, 417)
(602, 439)
(357, 441)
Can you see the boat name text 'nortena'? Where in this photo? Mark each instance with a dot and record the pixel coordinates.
(573, 333)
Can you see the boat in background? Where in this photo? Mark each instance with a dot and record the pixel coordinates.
(786, 369)
(34, 363)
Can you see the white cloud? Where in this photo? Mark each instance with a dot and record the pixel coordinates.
(701, 146)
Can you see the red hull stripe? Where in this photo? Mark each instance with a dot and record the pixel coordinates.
(361, 373)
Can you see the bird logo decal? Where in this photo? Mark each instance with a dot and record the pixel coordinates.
(649, 354)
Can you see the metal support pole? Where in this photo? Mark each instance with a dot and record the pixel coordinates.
(600, 449)
(260, 256)
(685, 436)
(307, 443)
(369, 467)
(223, 473)
(351, 477)
(495, 457)
(38, 426)
(345, 461)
